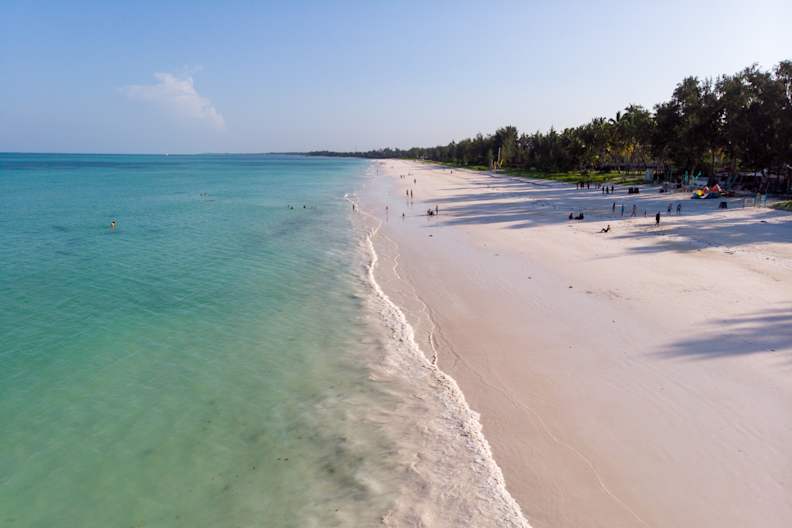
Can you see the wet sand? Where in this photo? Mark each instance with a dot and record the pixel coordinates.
(641, 377)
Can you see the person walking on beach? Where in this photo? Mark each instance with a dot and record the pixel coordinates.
(657, 218)
(612, 189)
(669, 207)
(613, 208)
(622, 209)
(679, 208)
(437, 210)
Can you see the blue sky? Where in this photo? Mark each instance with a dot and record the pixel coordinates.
(255, 76)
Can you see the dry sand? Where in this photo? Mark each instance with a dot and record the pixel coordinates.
(641, 377)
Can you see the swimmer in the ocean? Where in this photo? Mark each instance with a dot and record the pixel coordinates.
(113, 224)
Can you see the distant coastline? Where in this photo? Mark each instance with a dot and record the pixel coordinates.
(733, 127)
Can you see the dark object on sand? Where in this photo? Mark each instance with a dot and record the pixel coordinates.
(430, 212)
(605, 229)
(633, 190)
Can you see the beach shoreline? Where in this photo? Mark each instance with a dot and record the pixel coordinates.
(441, 442)
(573, 347)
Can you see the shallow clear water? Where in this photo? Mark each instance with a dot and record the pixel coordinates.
(224, 358)
(198, 366)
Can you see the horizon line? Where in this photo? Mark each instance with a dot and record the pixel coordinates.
(295, 153)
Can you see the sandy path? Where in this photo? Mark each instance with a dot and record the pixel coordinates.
(637, 378)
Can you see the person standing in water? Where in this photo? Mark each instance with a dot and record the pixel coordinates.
(657, 218)
(437, 210)
(113, 225)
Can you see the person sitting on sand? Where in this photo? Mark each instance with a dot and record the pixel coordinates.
(605, 229)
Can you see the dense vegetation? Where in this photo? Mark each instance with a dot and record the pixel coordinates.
(735, 122)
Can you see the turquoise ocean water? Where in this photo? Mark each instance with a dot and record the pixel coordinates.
(198, 366)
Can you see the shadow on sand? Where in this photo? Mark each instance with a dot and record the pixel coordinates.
(519, 204)
(769, 331)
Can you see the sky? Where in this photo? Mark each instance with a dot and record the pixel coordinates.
(193, 76)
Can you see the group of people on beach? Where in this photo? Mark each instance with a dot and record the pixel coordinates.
(584, 185)
(634, 213)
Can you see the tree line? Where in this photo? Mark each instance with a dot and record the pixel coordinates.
(740, 122)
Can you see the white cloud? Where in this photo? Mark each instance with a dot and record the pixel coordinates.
(178, 95)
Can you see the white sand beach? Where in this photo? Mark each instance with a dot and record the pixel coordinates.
(640, 377)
